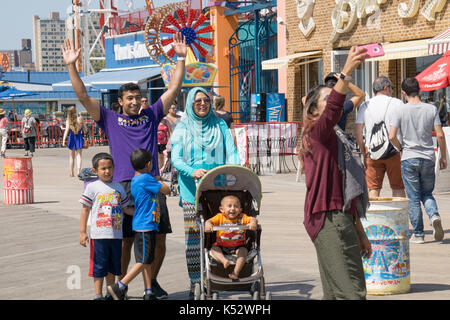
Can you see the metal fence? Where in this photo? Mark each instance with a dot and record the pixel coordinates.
(267, 145)
(50, 134)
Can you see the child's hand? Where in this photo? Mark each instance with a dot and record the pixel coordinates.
(84, 239)
(128, 210)
(208, 227)
(253, 226)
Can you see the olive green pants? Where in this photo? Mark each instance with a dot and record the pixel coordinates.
(339, 257)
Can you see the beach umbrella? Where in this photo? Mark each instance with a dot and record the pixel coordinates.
(437, 75)
(12, 93)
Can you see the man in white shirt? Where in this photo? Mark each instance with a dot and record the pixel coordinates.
(417, 121)
(372, 111)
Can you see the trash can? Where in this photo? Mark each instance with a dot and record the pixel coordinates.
(18, 185)
(387, 270)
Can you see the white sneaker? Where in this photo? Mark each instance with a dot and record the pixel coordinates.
(417, 239)
(438, 232)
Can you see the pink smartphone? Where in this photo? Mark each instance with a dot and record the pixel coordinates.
(373, 50)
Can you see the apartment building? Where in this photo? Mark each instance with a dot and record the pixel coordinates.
(49, 35)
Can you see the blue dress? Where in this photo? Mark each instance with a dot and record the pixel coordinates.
(75, 141)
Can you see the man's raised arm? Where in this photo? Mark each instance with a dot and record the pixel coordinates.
(168, 97)
(70, 56)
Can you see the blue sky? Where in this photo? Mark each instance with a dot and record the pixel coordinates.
(16, 17)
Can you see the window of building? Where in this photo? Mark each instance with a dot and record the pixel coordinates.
(363, 76)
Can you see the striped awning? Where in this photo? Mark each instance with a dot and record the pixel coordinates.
(283, 62)
(403, 50)
(439, 44)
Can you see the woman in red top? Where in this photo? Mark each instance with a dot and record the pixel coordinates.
(338, 236)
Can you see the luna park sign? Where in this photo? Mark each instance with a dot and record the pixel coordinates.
(347, 12)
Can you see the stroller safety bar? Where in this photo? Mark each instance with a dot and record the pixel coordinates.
(230, 227)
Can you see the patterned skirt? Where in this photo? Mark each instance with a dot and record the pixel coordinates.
(192, 240)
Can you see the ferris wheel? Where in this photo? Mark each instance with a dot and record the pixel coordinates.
(170, 19)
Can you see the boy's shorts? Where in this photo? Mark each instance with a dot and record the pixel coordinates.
(105, 257)
(232, 250)
(144, 246)
(164, 222)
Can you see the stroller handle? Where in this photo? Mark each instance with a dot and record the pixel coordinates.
(231, 227)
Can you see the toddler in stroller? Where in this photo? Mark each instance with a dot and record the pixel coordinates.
(230, 242)
(241, 269)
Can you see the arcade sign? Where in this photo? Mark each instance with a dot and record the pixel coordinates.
(127, 51)
(346, 13)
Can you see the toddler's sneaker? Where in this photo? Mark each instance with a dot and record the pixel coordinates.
(417, 239)
(438, 232)
(117, 292)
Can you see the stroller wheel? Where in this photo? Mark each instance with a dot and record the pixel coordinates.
(255, 287)
(197, 291)
(215, 296)
(256, 295)
(268, 295)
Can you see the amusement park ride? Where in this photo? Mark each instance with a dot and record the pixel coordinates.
(208, 60)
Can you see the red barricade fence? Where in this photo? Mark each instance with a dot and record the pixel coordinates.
(50, 133)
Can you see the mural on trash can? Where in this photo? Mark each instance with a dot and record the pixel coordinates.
(389, 262)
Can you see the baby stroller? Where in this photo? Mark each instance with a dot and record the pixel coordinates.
(243, 183)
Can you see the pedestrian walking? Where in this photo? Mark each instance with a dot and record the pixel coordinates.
(74, 132)
(104, 202)
(372, 120)
(416, 121)
(199, 143)
(219, 104)
(332, 214)
(129, 131)
(145, 224)
(29, 133)
(4, 128)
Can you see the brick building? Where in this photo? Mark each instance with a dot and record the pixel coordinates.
(318, 42)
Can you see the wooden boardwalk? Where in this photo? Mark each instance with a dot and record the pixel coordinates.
(40, 257)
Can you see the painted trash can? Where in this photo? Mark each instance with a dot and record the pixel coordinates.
(18, 185)
(387, 270)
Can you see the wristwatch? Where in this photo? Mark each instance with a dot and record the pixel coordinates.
(345, 77)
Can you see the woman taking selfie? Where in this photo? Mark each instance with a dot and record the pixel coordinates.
(331, 219)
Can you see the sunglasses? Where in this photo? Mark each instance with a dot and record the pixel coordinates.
(198, 102)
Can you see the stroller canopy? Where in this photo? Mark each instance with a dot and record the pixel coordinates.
(237, 178)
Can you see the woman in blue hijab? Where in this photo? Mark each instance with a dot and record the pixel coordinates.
(200, 142)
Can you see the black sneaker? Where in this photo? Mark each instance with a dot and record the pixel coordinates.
(116, 292)
(158, 292)
(108, 297)
(149, 296)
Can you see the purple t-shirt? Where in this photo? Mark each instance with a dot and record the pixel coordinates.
(126, 134)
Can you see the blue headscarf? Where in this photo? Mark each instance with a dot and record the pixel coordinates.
(199, 143)
(203, 132)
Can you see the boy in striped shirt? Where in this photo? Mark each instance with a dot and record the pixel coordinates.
(104, 202)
